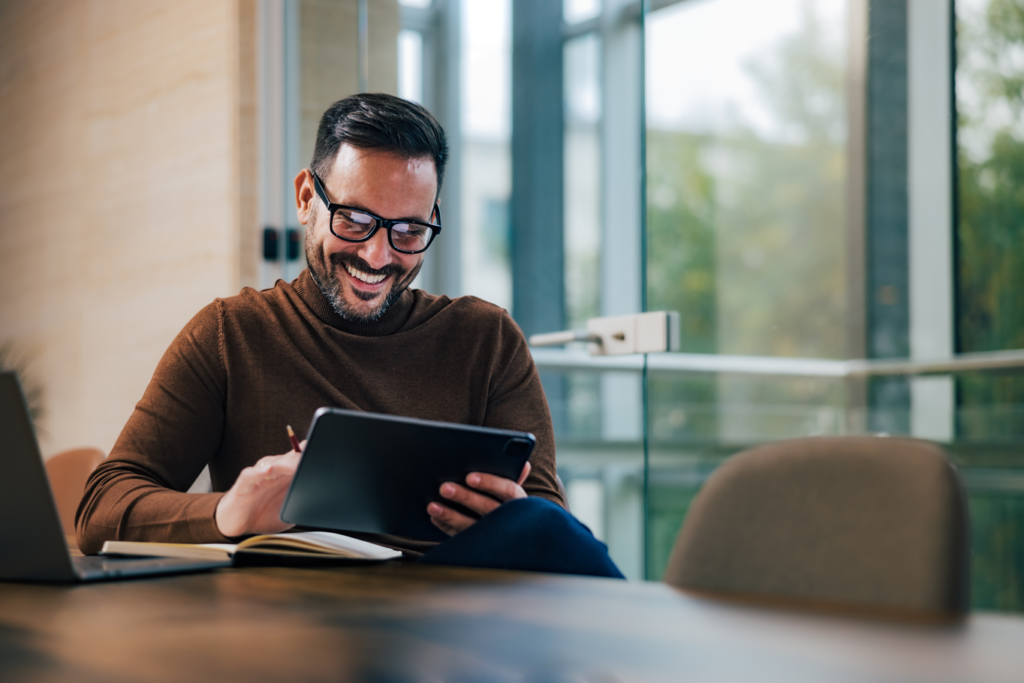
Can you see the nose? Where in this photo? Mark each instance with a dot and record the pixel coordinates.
(376, 251)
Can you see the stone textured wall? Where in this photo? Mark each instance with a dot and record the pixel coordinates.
(127, 185)
(129, 180)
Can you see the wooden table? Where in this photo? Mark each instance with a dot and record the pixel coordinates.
(400, 622)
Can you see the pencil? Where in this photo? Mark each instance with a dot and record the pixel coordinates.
(294, 439)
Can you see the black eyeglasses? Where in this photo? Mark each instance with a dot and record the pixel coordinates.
(356, 225)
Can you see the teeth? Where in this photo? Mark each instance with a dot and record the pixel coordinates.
(364, 277)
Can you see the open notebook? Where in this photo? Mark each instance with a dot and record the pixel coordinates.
(304, 544)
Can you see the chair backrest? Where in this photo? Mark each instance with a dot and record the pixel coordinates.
(68, 472)
(863, 522)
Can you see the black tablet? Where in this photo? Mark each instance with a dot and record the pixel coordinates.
(377, 473)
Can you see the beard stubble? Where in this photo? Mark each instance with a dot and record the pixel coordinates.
(326, 278)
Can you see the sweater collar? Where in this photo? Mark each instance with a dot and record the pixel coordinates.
(389, 323)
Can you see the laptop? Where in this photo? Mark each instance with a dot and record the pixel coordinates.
(32, 544)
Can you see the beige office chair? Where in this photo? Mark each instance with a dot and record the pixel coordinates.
(68, 472)
(870, 524)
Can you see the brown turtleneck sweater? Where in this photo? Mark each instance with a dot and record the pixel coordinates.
(247, 366)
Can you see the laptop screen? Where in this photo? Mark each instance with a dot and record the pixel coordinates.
(30, 532)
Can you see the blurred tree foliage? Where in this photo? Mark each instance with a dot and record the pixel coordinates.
(745, 238)
(990, 274)
(746, 228)
(681, 236)
(997, 557)
(990, 231)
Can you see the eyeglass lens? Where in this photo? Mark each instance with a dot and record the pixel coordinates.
(354, 225)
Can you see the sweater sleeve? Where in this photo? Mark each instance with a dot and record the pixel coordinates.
(139, 492)
(516, 401)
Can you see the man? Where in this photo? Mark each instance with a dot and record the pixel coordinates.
(348, 332)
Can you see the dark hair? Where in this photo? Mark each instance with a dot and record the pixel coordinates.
(382, 122)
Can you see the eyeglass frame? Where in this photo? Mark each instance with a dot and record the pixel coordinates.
(386, 223)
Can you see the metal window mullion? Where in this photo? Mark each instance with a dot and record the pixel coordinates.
(273, 200)
(441, 28)
(292, 156)
(621, 262)
(930, 209)
(856, 200)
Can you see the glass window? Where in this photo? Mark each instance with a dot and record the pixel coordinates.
(990, 288)
(746, 205)
(486, 124)
(581, 431)
(575, 11)
(410, 65)
(582, 178)
(776, 220)
(990, 231)
(746, 174)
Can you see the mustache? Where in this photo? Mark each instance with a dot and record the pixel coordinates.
(344, 258)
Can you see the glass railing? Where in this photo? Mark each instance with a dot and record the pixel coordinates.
(634, 488)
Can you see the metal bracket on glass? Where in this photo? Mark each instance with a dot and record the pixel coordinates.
(619, 335)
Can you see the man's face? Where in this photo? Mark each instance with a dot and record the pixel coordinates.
(362, 279)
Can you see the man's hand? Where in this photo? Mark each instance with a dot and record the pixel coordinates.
(497, 490)
(253, 504)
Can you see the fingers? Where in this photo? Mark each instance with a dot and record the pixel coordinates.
(448, 520)
(488, 492)
(273, 466)
(258, 477)
(477, 502)
(253, 503)
(499, 487)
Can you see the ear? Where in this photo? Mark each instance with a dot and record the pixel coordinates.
(305, 196)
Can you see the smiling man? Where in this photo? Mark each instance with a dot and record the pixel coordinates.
(361, 276)
(348, 333)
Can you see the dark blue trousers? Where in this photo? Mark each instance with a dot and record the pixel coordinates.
(527, 534)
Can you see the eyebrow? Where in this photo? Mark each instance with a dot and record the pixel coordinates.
(367, 211)
(397, 220)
